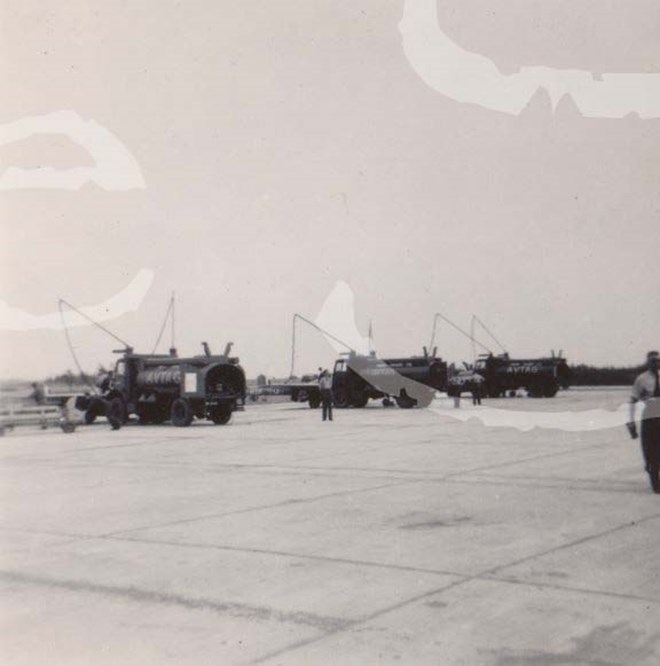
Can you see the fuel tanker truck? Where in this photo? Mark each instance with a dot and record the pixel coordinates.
(499, 375)
(158, 388)
(409, 381)
(540, 377)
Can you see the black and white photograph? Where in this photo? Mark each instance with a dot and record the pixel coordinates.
(330, 333)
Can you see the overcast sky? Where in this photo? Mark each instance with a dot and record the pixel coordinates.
(286, 146)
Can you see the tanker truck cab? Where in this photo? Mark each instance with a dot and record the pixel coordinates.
(120, 396)
(341, 367)
(123, 379)
(345, 385)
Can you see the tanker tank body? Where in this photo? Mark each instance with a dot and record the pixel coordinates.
(160, 387)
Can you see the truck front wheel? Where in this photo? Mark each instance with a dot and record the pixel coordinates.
(181, 413)
(340, 397)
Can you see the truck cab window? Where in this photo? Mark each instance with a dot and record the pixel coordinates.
(120, 373)
(340, 366)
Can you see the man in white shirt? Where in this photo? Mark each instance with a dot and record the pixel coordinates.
(325, 385)
(647, 389)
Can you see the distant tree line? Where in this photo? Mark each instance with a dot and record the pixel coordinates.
(590, 375)
(71, 378)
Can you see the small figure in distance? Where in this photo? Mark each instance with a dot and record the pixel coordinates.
(477, 383)
(325, 386)
(38, 393)
(647, 389)
(455, 393)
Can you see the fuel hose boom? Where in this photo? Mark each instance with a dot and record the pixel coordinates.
(410, 381)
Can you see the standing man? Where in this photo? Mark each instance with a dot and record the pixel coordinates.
(477, 383)
(647, 389)
(325, 385)
(38, 393)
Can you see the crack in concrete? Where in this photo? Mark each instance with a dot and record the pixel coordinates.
(572, 544)
(309, 641)
(131, 593)
(263, 507)
(483, 575)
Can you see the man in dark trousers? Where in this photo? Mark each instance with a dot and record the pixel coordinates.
(325, 386)
(647, 389)
(475, 387)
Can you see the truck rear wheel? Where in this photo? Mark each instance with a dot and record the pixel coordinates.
(314, 400)
(535, 391)
(181, 413)
(220, 414)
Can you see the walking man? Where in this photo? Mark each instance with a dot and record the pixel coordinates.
(647, 389)
(325, 385)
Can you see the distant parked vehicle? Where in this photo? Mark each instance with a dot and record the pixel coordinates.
(540, 377)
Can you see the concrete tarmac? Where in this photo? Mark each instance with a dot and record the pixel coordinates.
(388, 536)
